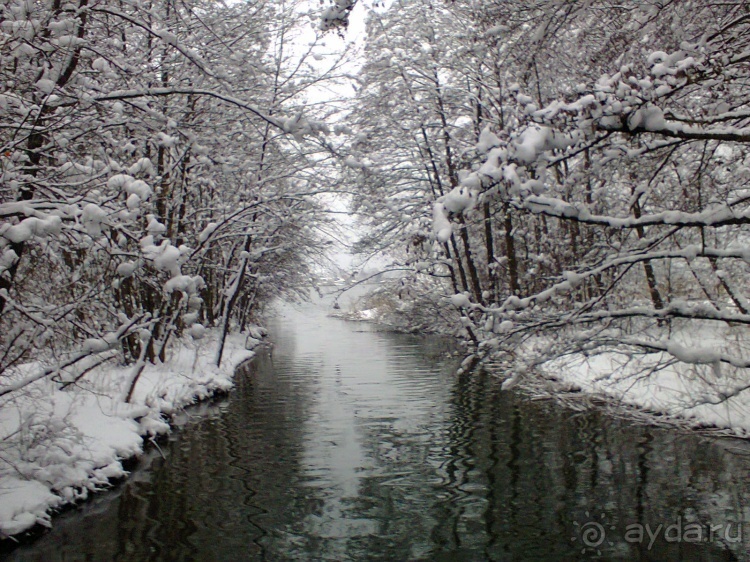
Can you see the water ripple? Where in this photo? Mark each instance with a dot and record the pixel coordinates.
(352, 444)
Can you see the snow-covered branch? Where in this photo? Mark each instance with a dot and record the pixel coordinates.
(718, 216)
(172, 91)
(104, 347)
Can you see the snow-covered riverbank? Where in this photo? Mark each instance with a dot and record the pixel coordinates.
(58, 446)
(695, 381)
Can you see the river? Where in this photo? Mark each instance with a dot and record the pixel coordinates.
(350, 443)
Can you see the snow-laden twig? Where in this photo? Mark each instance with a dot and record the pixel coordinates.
(122, 332)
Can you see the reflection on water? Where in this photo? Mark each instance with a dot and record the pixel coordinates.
(350, 444)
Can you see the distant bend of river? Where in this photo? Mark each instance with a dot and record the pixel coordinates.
(350, 443)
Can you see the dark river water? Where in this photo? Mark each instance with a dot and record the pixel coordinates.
(348, 443)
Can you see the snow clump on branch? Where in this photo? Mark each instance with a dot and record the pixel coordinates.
(336, 16)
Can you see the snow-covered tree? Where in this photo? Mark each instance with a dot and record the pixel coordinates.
(156, 174)
(602, 202)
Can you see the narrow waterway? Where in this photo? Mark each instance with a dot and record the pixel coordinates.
(349, 443)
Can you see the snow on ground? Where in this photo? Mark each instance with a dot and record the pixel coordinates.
(370, 315)
(703, 393)
(57, 446)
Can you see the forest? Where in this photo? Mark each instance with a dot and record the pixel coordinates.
(159, 174)
(570, 175)
(551, 181)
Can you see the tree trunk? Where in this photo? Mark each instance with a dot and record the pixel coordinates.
(470, 265)
(231, 299)
(489, 244)
(648, 269)
(510, 252)
(459, 264)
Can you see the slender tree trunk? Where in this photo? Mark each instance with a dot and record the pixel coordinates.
(470, 265)
(510, 252)
(728, 288)
(489, 244)
(459, 264)
(231, 299)
(450, 267)
(648, 269)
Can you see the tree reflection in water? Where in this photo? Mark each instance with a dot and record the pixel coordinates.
(364, 445)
